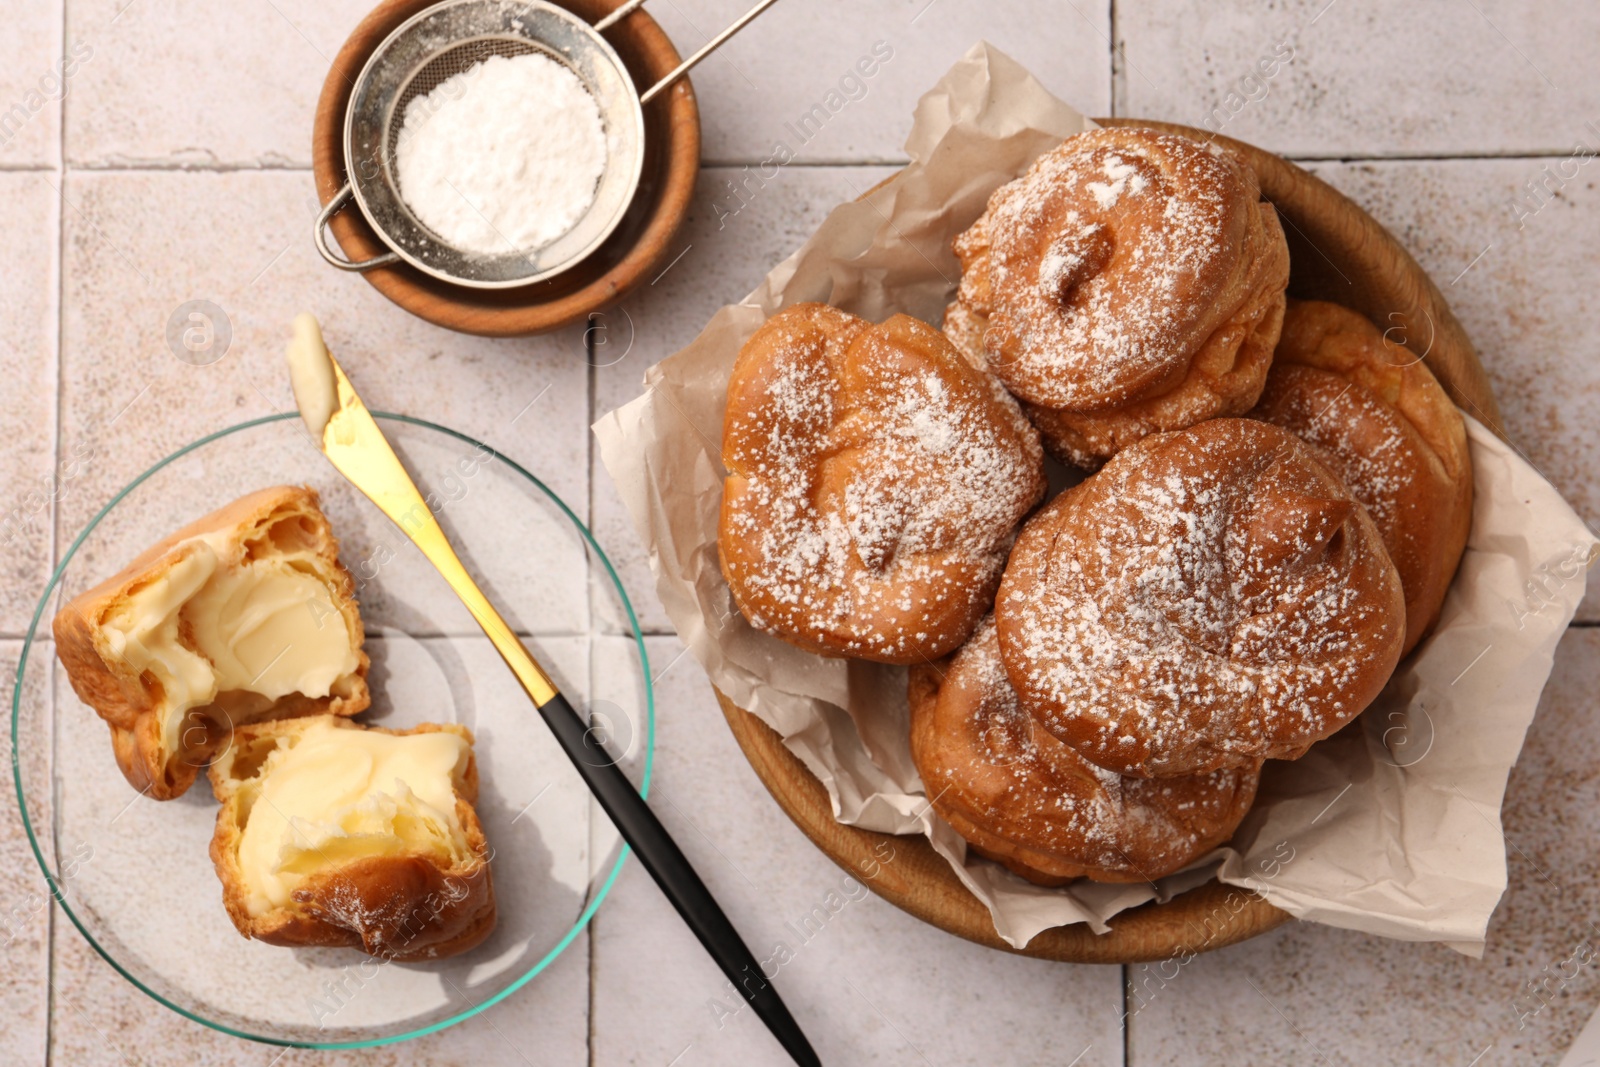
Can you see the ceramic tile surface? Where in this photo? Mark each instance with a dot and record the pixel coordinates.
(154, 155)
(36, 74)
(1352, 77)
(832, 80)
(25, 907)
(29, 485)
(183, 83)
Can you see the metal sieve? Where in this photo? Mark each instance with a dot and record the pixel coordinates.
(448, 39)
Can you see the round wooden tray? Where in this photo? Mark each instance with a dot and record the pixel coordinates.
(628, 257)
(1337, 252)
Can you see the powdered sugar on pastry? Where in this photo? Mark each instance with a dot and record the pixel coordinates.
(875, 482)
(1120, 176)
(1130, 282)
(1178, 228)
(1024, 798)
(1211, 598)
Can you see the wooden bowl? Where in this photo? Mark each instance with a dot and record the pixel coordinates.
(632, 254)
(1338, 253)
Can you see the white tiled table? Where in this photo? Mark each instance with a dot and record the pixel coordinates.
(177, 168)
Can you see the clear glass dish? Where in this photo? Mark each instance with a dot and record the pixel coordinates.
(134, 875)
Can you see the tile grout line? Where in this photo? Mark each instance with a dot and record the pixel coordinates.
(593, 386)
(152, 166)
(589, 940)
(1114, 102)
(1127, 1020)
(1430, 157)
(59, 265)
(1117, 106)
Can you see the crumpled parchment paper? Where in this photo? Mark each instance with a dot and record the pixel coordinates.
(1391, 827)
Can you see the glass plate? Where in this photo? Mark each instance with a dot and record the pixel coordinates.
(134, 875)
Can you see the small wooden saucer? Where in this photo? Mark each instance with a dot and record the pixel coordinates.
(631, 255)
(1337, 252)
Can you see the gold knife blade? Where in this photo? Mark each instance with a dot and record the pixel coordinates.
(356, 446)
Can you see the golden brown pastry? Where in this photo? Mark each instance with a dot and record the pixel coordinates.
(336, 834)
(243, 615)
(1211, 598)
(1130, 282)
(1023, 798)
(875, 482)
(1390, 431)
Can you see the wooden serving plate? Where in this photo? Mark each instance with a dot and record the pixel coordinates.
(1337, 252)
(629, 256)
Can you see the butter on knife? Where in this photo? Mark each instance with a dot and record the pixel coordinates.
(311, 374)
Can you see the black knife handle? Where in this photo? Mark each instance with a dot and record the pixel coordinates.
(674, 874)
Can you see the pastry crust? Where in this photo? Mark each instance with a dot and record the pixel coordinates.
(1211, 598)
(1131, 282)
(133, 703)
(399, 907)
(875, 482)
(1025, 799)
(1390, 431)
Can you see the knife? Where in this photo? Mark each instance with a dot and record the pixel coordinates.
(345, 431)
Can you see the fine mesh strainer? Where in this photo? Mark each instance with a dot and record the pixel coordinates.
(448, 39)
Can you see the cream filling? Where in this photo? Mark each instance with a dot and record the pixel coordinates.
(329, 796)
(311, 375)
(204, 628)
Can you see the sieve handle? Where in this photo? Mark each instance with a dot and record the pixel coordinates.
(705, 50)
(320, 236)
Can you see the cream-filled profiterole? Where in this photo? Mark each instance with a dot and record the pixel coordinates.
(244, 615)
(333, 833)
